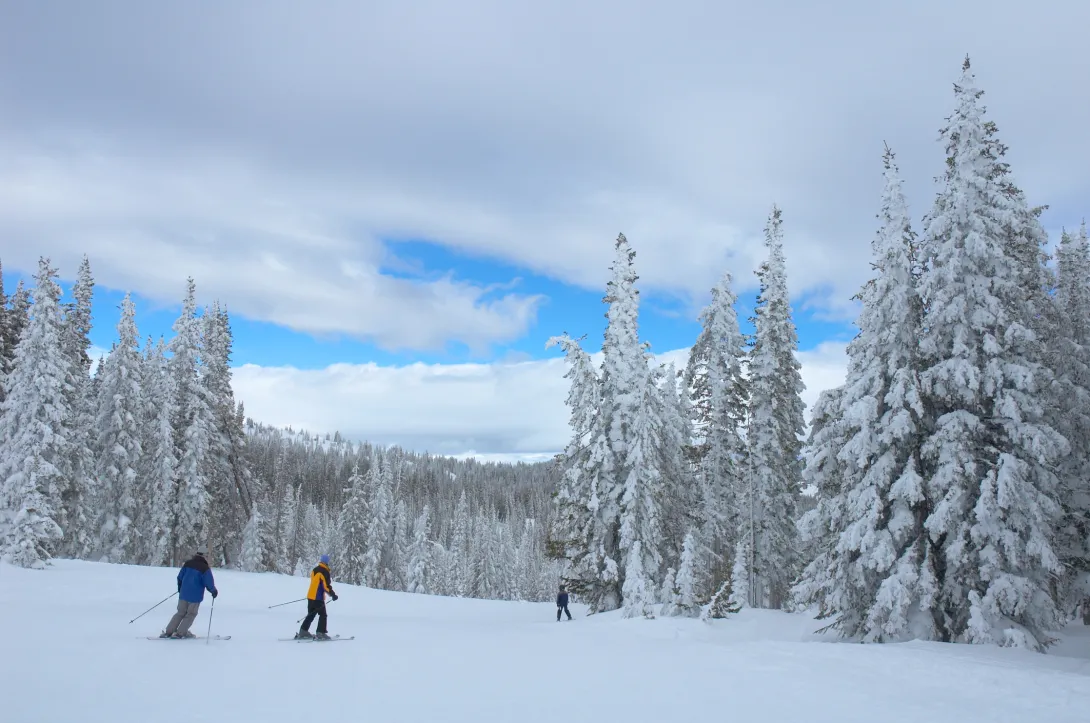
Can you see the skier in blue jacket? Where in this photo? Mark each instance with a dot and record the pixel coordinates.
(193, 579)
(562, 604)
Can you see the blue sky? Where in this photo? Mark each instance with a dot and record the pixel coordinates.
(667, 321)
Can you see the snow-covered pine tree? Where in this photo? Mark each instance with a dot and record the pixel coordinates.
(288, 526)
(641, 522)
(352, 530)
(989, 461)
(399, 546)
(193, 430)
(766, 555)
(34, 447)
(527, 563)
(687, 580)
(379, 482)
(1073, 405)
(443, 580)
(418, 574)
(159, 476)
(487, 582)
(624, 371)
(678, 495)
(578, 531)
(228, 491)
(459, 548)
(311, 543)
(871, 571)
(580, 465)
(120, 414)
(17, 318)
(256, 547)
(77, 319)
(826, 475)
(719, 410)
(80, 500)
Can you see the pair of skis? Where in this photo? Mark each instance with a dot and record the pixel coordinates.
(332, 639)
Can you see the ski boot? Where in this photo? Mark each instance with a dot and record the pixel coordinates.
(165, 634)
(183, 636)
(303, 635)
(322, 636)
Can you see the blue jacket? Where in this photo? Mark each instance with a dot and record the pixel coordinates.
(194, 578)
(562, 600)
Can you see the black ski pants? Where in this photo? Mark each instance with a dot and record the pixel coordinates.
(562, 609)
(315, 608)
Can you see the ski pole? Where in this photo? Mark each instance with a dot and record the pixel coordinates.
(208, 635)
(302, 599)
(152, 608)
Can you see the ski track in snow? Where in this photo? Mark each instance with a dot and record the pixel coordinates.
(69, 655)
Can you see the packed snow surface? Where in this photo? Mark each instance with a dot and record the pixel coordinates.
(70, 655)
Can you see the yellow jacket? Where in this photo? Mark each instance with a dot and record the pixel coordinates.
(320, 583)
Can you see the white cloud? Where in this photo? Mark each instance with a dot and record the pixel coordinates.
(147, 228)
(268, 162)
(499, 411)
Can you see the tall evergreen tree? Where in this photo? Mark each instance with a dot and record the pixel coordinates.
(460, 547)
(193, 430)
(160, 470)
(399, 547)
(677, 495)
(568, 540)
(34, 446)
(716, 376)
(80, 499)
(352, 530)
(766, 561)
(18, 316)
(624, 370)
(255, 543)
(580, 534)
(120, 414)
(989, 463)
(641, 524)
(289, 528)
(420, 555)
(78, 319)
(872, 567)
(311, 543)
(227, 484)
(379, 525)
(1073, 405)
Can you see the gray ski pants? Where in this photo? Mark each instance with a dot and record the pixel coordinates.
(187, 613)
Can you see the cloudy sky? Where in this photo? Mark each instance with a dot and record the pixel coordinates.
(400, 202)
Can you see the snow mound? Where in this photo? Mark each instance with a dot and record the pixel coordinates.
(71, 656)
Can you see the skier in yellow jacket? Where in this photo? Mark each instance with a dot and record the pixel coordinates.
(320, 583)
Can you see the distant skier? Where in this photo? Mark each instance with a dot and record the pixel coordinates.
(194, 578)
(320, 583)
(562, 604)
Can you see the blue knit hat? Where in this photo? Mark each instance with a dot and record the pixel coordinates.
(324, 558)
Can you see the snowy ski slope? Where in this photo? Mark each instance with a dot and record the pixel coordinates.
(68, 655)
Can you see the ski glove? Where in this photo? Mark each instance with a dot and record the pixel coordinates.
(333, 595)
(215, 593)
